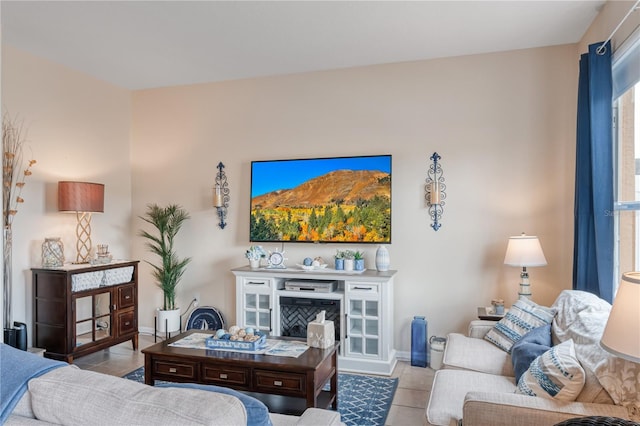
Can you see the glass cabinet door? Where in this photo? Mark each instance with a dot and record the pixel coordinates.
(363, 325)
(93, 318)
(257, 311)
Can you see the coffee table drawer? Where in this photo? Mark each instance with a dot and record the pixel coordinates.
(225, 375)
(266, 381)
(181, 369)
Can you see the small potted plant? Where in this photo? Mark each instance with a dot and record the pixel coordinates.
(358, 260)
(254, 254)
(339, 260)
(349, 260)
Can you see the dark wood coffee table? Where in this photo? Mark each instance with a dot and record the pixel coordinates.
(302, 377)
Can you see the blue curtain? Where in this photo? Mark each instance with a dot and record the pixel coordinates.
(593, 232)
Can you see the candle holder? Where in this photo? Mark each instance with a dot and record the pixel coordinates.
(435, 191)
(221, 195)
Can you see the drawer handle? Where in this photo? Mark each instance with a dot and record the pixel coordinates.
(127, 297)
(223, 376)
(277, 383)
(127, 323)
(363, 288)
(256, 283)
(173, 370)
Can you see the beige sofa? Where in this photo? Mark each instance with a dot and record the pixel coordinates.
(71, 396)
(476, 385)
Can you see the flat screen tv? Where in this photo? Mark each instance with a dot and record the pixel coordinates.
(323, 200)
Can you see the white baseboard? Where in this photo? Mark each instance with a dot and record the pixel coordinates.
(403, 356)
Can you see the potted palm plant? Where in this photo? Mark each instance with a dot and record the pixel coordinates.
(167, 221)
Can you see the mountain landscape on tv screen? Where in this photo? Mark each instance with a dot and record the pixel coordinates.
(340, 206)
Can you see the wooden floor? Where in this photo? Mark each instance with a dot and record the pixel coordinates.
(408, 404)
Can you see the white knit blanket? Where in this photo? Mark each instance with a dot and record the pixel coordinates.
(582, 317)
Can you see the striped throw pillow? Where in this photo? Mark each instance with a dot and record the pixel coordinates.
(524, 316)
(556, 374)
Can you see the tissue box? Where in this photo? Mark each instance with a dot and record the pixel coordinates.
(321, 334)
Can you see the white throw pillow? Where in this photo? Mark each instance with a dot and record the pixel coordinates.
(524, 316)
(556, 374)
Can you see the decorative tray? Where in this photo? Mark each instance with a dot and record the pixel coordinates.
(235, 344)
(311, 267)
(488, 313)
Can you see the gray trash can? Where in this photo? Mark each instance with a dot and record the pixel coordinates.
(437, 345)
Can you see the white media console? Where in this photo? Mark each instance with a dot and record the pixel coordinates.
(362, 305)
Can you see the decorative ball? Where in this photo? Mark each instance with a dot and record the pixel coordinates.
(315, 263)
(220, 333)
(241, 333)
(226, 336)
(249, 330)
(234, 329)
(234, 337)
(307, 261)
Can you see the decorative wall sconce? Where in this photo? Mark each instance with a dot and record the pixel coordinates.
(435, 191)
(221, 195)
(83, 198)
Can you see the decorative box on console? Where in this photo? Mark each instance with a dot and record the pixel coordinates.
(320, 333)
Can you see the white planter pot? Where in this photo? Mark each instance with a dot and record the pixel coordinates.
(254, 264)
(168, 321)
(348, 264)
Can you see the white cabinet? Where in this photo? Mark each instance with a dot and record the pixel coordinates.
(366, 326)
(363, 320)
(255, 303)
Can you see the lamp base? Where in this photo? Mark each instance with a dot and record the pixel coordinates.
(525, 287)
(83, 237)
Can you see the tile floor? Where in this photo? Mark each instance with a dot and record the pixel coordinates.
(407, 409)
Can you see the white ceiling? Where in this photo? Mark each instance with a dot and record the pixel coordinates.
(146, 44)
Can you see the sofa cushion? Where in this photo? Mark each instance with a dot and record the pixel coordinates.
(524, 316)
(257, 412)
(468, 353)
(554, 374)
(533, 344)
(72, 396)
(451, 386)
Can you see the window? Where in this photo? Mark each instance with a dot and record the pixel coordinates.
(626, 113)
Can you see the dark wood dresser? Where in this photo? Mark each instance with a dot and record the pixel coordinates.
(81, 309)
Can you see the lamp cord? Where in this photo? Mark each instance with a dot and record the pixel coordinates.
(188, 310)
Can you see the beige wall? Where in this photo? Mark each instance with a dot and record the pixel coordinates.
(78, 129)
(503, 124)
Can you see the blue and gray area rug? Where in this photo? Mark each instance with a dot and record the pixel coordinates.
(362, 400)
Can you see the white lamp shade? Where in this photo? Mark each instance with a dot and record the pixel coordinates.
(621, 336)
(524, 250)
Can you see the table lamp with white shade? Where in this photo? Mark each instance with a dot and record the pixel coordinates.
(524, 251)
(621, 335)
